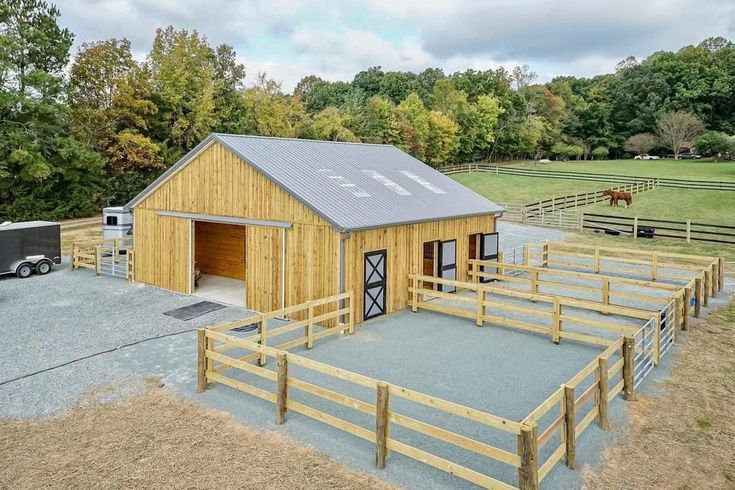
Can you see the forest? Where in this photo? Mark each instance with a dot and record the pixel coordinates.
(86, 129)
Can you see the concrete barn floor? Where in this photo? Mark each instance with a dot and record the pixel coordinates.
(54, 319)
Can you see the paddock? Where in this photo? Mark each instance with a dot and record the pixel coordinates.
(483, 404)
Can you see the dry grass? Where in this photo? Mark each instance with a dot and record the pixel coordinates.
(157, 440)
(682, 438)
(78, 234)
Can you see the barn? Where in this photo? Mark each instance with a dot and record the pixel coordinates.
(269, 222)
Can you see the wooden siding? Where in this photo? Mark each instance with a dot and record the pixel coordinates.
(218, 182)
(219, 249)
(162, 250)
(405, 254)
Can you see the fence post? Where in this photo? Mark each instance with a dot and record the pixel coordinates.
(381, 425)
(689, 231)
(351, 323)
(526, 255)
(570, 426)
(697, 296)
(603, 388)
(310, 327)
(605, 291)
(629, 367)
(210, 362)
(597, 260)
(480, 305)
(528, 451)
(635, 227)
(721, 270)
(657, 340)
(98, 259)
(414, 305)
(534, 281)
(706, 286)
(556, 321)
(74, 256)
(687, 308)
(263, 325)
(501, 259)
(497, 168)
(201, 359)
(281, 388)
(654, 266)
(545, 254)
(715, 277)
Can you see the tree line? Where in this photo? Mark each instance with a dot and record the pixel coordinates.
(84, 131)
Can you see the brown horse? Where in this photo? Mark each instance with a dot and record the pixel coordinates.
(616, 196)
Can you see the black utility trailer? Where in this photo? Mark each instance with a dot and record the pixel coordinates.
(29, 246)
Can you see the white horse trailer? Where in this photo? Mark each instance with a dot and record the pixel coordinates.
(117, 222)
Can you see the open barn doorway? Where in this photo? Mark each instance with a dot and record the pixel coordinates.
(219, 262)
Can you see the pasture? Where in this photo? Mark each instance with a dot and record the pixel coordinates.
(674, 169)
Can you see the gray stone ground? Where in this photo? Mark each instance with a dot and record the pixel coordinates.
(53, 319)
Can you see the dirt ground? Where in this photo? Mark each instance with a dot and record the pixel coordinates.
(682, 438)
(157, 440)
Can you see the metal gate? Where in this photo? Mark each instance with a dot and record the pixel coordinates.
(488, 251)
(375, 284)
(448, 264)
(114, 258)
(644, 347)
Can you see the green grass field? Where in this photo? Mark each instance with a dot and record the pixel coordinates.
(523, 190)
(673, 169)
(716, 207)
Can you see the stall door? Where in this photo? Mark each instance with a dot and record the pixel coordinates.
(488, 251)
(374, 287)
(448, 264)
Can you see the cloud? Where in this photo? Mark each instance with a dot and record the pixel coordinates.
(293, 38)
(562, 31)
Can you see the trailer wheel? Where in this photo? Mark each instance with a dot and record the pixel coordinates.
(43, 267)
(24, 270)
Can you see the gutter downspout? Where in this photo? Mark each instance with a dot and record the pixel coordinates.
(342, 239)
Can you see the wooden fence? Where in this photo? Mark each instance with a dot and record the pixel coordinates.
(612, 179)
(552, 310)
(654, 265)
(638, 226)
(112, 257)
(213, 342)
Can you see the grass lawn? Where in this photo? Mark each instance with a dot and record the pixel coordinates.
(523, 190)
(716, 207)
(673, 169)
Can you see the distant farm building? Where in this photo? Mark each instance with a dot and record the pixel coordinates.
(271, 222)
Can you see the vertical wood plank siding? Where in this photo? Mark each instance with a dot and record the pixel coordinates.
(217, 182)
(404, 245)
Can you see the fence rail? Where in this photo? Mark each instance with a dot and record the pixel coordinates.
(612, 179)
(638, 226)
(112, 257)
(214, 341)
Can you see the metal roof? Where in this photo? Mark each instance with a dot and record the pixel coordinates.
(20, 225)
(353, 186)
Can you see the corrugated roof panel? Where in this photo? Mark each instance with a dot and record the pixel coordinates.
(352, 185)
(358, 186)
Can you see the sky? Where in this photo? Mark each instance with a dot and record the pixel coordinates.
(289, 39)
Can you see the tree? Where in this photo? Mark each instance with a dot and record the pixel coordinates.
(713, 144)
(266, 111)
(641, 143)
(43, 171)
(676, 128)
(413, 123)
(443, 139)
(329, 125)
(377, 122)
(184, 84)
(566, 151)
(600, 153)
